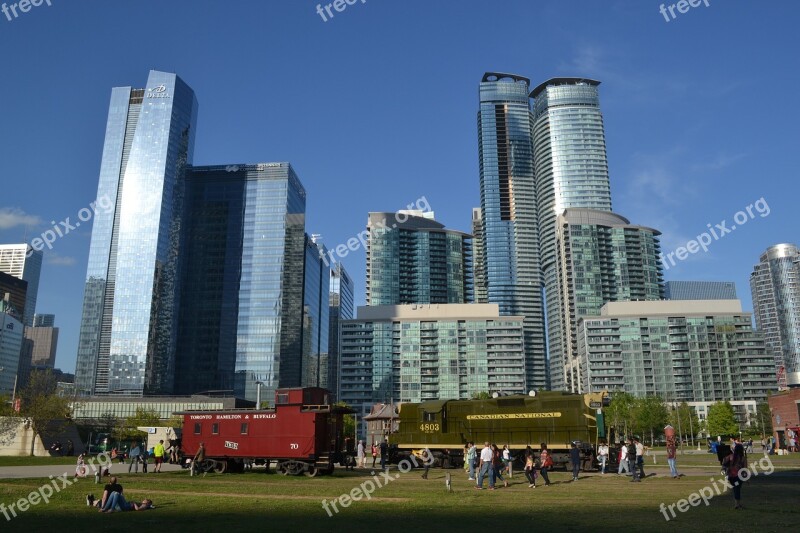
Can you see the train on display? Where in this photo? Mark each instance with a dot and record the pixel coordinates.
(303, 434)
(555, 418)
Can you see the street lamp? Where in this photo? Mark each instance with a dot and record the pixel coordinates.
(258, 394)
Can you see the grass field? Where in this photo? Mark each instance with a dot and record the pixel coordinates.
(258, 501)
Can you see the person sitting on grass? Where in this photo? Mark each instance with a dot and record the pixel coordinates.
(117, 503)
(112, 487)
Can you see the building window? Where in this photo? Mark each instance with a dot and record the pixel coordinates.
(197, 428)
(215, 429)
(244, 429)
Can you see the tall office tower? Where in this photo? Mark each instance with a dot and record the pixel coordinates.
(10, 345)
(700, 290)
(600, 258)
(316, 314)
(44, 344)
(479, 268)
(508, 212)
(23, 262)
(412, 259)
(44, 321)
(341, 301)
(16, 289)
(129, 322)
(775, 284)
(241, 310)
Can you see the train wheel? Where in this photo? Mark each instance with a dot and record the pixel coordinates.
(220, 467)
(311, 471)
(282, 468)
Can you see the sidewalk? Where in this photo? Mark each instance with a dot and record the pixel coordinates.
(117, 469)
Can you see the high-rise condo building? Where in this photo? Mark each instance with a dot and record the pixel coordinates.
(680, 350)
(341, 306)
(242, 278)
(25, 263)
(700, 290)
(600, 258)
(775, 284)
(130, 307)
(412, 259)
(511, 260)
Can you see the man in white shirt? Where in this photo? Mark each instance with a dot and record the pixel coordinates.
(623, 460)
(602, 453)
(486, 467)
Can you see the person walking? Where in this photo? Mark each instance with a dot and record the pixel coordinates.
(472, 459)
(374, 453)
(640, 457)
(508, 461)
(133, 458)
(671, 456)
(485, 467)
(546, 462)
(602, 454)
(575, 459)
(384, 453)
(198, 458)
(497, 464)
(530, 470)
(734, 463)
(426, 461)
(158, 452)
(632, 461)
(362, 460)
(623, 459)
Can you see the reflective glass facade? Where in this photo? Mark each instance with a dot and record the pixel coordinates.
(775, 285)
(601, 258)
(414, 259)
(416, 353)
(700, 290)
(692, 357)
(479, 268)
(25, 263)
(511, 260)
(341, 307)
(316, 315)
(129, 321)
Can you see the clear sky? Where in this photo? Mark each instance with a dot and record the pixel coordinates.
(376, 108)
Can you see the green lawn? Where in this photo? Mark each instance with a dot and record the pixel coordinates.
(259, 502)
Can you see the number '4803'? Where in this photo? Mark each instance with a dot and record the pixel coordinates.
(429, 427)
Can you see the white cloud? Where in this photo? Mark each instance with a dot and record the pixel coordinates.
(11, 217)
(52, 258)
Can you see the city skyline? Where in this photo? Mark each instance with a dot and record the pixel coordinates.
(678, 158)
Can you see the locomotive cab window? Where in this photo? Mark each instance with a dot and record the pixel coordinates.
(244, 429)
(197, 428)
(429, 417)
(214, 429)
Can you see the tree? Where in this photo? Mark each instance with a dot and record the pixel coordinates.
(348, 422)
(620, 412)
(761, 422)
(721, 420)
(684, 418)
(46, 412)
(142, 417)
(483, 395)
(107, 422)
(651, 415)
(9, 421)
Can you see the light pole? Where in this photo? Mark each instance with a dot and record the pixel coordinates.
(258, 394)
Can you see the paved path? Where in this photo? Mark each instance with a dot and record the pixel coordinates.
(18, 472)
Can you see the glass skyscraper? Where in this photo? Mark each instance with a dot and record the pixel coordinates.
(600, 258)
(242, 301)
(341, 307)
(775, 284)
(511, 260)
(412, 259)
(23, 262)
(479, 266)
(700, 290)
(129, 321)
(316, 313)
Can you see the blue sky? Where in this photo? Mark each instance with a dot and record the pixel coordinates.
(376, 108)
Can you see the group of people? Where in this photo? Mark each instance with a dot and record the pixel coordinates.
(138, 455)
(361, 455)
(492, 462)
(631, 460)
(113, 500)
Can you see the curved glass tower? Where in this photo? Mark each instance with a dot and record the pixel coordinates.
(508, 212)
(775, 284)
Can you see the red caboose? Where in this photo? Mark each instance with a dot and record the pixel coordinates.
(303, 434)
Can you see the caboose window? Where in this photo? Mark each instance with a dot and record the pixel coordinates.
(214, 429)
(282, 398)
(244, 429)
(197, 428)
